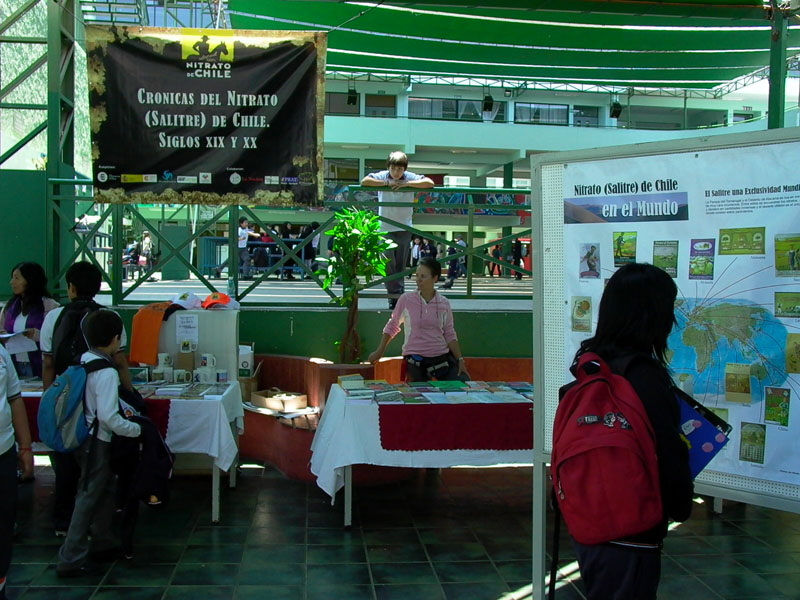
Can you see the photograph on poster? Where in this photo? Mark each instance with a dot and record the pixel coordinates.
(793, 352)
(701, 259)
(787, 255)
(590, 261)
(787, 304)
(747, 240)
(582, 313)
(737, 383)
(624, 247)
(776, 405)
(665, 256)
(752, 442)
(722, 413)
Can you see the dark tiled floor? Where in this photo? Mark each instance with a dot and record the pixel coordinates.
(453, 534)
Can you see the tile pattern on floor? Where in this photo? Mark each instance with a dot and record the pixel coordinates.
(449, 534)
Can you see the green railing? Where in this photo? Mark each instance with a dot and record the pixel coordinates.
(112, 221)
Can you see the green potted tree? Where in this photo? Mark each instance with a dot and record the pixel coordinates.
(357, 253)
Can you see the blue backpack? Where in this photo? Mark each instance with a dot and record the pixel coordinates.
(62, 409)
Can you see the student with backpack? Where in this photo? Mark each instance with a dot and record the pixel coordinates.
(94, 504)
(63, 343)
(13, 427)
(620, 468)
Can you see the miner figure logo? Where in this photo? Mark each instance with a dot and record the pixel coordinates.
(202, 46)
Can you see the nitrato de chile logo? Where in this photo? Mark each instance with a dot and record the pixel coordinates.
(208, 54)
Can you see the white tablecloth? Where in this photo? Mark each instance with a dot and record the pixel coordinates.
(204, 426)
(348, 435)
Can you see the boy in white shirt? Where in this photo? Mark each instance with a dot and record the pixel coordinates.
(59, 350)
(94, 505)
(396, 177)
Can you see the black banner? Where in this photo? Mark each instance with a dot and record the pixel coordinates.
(194, 116)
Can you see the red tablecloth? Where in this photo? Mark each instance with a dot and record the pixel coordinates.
(157, 410)
(456, 426)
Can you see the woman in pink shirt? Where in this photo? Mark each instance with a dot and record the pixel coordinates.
(431, 347)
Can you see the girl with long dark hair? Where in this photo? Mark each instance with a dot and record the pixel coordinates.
(635, 318)
(25, 311)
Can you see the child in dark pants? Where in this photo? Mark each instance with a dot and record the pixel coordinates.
(94, 504)
(63, 345)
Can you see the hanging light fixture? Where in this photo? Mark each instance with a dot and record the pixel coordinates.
(488, 102)
(352, 94)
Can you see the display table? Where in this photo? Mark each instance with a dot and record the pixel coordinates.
(349, 434)
(207, 426)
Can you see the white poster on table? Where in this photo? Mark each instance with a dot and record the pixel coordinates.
(725, 224)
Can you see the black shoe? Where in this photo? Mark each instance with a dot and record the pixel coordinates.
(87, 569)
(105, 556)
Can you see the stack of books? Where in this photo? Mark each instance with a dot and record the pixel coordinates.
(366, 391)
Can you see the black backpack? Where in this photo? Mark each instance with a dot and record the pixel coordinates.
(146, 461)
(69, 342)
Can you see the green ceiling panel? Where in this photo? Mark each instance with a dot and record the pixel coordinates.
(606, 46)
(716, 9)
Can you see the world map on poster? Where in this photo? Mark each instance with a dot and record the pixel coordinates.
(711, 333)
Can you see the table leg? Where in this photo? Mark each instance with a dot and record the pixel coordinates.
(235, 465)
(214, 494)
(348, 496)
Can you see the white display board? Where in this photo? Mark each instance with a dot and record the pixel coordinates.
(722, 216)
(216, 331)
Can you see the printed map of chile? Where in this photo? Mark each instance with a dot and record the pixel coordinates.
(712, 332)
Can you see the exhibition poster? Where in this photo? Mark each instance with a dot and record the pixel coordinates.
(206, 116)
(725, 224)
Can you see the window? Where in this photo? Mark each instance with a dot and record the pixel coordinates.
(585, 116)
(380, 105)
(336, 104)
(373, 165)
(341, 169)
(740, 116)
(432, 108)
(460, 110)
(547, 114)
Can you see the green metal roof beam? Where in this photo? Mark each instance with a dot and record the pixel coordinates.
(709, 9)
(569, 34)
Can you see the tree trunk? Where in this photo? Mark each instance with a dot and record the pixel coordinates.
(350, 346)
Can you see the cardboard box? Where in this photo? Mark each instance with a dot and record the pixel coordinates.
(185, 361)
(308, 422)
(248, 385)
(276, 399)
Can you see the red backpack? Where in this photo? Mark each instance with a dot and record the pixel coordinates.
(603, 464)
